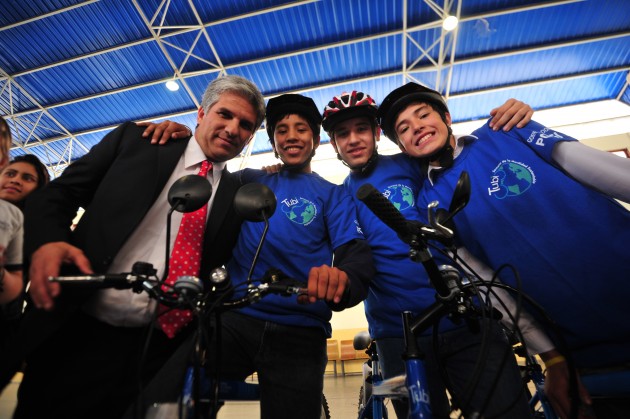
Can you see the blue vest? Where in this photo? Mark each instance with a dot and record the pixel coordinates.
(568, 242)
(400, 284)
(312, 218)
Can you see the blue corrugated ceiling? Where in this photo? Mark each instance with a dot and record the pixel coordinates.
(70, 70)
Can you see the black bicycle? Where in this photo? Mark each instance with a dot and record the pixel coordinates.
(202, 396)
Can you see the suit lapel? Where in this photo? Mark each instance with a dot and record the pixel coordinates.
(168, 156)
(223, 202)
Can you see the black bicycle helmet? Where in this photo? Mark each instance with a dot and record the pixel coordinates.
(399, 98)
(291, 103)
(346, 106)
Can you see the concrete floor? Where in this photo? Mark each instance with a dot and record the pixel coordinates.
(342, 393)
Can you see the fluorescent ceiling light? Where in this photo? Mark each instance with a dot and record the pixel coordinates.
(449, 23)
(172, 85)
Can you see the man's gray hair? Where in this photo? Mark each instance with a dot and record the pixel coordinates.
(239, 86)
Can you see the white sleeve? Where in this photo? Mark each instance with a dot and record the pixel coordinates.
(604, 171)
(535, 338)
(13, 253)
(11, 233)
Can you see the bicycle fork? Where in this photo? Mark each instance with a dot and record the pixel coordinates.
(415, 377)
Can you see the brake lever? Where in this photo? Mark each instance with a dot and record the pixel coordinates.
(434, 222)
(278, 281)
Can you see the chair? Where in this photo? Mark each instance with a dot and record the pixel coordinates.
(360, 354)
(332, 348)
(347, 353)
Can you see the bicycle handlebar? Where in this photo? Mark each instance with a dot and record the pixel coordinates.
(413, 233)
(408, 231)
(384, 210)
(125, 280)
(189, 289)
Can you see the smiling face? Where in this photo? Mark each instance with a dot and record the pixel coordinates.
(421, 130)
(226, 128)
(293, 141)
(354, 140)
(17, 181)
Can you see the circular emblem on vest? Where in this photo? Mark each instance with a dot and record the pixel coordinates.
(299, 210)
(510, 179)
(399, 195)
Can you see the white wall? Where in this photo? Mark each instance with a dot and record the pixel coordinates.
(351, 318)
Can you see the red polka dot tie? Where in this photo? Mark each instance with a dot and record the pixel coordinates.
(185, 260)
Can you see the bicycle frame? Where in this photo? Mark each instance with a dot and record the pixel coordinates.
(371, 405)
(412, 385)
(538, 379)
(446, 280)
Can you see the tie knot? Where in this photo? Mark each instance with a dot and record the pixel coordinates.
(206, 166)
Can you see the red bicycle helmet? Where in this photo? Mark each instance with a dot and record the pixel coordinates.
(346, 106)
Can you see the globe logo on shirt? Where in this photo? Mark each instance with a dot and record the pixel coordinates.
(400, 195)
(510, 178)
(299, 210)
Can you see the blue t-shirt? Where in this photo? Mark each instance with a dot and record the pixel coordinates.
(313, 217)
(400, 284)
(568, 242)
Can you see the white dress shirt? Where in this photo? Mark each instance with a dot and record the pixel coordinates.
(147, 244)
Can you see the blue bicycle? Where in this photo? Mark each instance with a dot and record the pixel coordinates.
(455, 294)
(370, 406)
(373, 406)
(454, 298)
(445, 280)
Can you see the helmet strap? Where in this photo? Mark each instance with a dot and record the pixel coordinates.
(444, 155)
(369, 164)
(297, 168)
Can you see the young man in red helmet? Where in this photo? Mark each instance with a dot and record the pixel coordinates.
(535, 193)
(402, 285)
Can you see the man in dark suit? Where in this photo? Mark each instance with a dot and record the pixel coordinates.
(82, 347)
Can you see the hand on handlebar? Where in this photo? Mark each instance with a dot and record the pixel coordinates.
(325, 283)
(45, 262)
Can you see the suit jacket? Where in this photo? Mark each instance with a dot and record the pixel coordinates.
(116, 183)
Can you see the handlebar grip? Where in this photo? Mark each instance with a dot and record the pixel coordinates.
(105, 280)
(384, 210)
